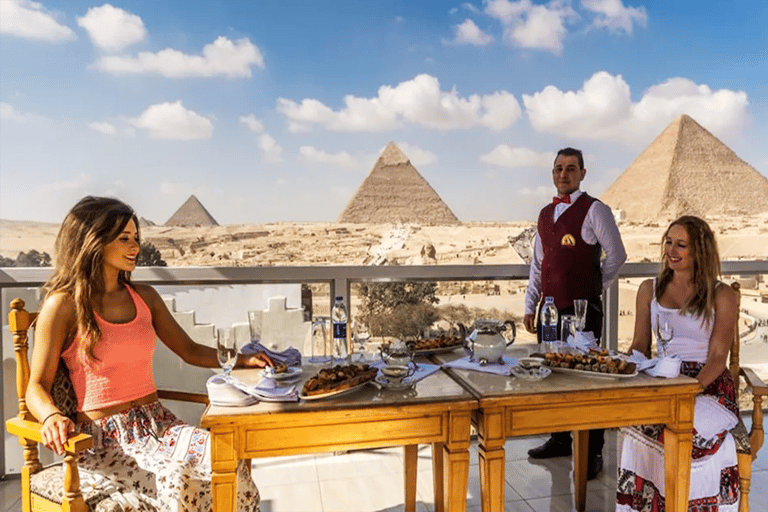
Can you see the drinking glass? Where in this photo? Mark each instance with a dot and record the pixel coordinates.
(567, 326)
(254, 323)
(226, 349)
(664, 333)
(361, 335)
(319, 348)
(580, 314)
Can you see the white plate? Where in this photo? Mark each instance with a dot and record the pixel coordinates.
(383, 382)
(291, 373)
(533, 374)
(596, 375)
(332, 393)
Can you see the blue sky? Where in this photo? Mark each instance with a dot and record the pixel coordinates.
(275, 111)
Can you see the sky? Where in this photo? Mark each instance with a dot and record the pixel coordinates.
(271, 111)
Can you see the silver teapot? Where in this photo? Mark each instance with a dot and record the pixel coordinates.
(490, 340)
(396, 353)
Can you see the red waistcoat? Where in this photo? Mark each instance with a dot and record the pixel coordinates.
(570, 268)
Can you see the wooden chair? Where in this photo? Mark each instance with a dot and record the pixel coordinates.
(747, 443)
(56, 487)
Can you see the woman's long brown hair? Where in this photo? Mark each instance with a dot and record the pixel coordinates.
(89, 226)
(706, 267)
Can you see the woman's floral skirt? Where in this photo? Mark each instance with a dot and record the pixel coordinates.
(146, 459)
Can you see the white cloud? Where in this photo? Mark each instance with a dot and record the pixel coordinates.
(615, 16)
(111, 28)
(419, 157)
(273, 152)
(312, 155)
(220, 58)
(419, 101)
(252, 123)
(173, 121)
(470, 7)
(527, 25)
(467, 32)
(603, 109)
(30, 20)
(105, 128)
(9, 113)
(517, 157)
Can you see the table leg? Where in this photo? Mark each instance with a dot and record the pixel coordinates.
(437, 475)
(678, 447)
(224, 470)
(411, 474)
(492, 458)
(580, 460)
(224, 490)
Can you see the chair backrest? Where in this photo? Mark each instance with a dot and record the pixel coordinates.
(734, 364)
(62, 391)
(19, 322)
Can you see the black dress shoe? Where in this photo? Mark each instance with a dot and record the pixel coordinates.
(552, 448)
(594, 466)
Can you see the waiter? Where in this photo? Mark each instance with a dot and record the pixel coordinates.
(573, 231)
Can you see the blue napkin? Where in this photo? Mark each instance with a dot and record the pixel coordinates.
(289, 356)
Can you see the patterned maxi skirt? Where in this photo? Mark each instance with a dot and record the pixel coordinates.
(146, 459)
(714, 469)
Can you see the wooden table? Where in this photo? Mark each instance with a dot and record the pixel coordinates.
(437, 411)
(514, 407)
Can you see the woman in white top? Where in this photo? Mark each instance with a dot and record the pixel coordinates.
(702, 311)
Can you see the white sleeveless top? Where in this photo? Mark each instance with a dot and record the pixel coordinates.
(690, 340)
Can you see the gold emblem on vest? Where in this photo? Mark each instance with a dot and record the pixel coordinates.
(568, 240)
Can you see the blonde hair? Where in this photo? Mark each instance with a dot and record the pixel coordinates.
(706, 266)
(89, 226)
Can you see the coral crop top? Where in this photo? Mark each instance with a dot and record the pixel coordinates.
(123, 371)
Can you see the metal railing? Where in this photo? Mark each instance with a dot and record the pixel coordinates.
(340, 277)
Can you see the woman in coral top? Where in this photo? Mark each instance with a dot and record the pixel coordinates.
(104, 328)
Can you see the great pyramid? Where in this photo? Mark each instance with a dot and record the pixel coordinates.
(395, 192)
(687, 170)
(192, 213)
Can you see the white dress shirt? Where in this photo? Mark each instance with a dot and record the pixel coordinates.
(599, 227)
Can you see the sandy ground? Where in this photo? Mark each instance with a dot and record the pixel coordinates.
(293, 243)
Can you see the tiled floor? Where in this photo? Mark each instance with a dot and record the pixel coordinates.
(372, 481)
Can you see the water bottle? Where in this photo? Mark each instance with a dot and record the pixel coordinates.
(339, 319)
(549, 323)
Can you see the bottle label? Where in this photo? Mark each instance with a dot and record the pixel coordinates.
(340, 330)
(549, 332)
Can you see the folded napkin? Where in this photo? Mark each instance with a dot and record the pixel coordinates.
(226, 390)
(289, 356)
(422, 370)
(668, 367)
(499, 369)
(583, 341)
(710, 418)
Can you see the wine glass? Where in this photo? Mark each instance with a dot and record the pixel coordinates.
(580, 314)
(567, 326)
(319, 348)
(664, 332)
(226, 349)
(254, 323)
(362, 335)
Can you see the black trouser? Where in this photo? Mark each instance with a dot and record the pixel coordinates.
(594, 324)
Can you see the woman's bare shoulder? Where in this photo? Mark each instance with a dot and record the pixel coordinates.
(147, 293)
(59, 303)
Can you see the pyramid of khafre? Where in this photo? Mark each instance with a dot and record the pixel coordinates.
(192, 213)
(687, 170)
(394, 191)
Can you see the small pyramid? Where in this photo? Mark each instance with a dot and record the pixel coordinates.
(687, 171)
(191, 213)
(395, 192)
